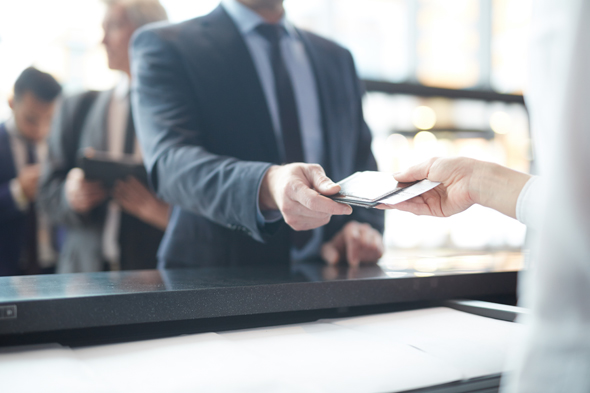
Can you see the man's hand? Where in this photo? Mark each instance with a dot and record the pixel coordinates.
(356, 243)
(464, 182)
(297, 190)
(137, 200)
(28, 178)
(81, 194)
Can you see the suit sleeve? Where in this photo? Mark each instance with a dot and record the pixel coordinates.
(364, 160)
(61, 157)
(181, 170)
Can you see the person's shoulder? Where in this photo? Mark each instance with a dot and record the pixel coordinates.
(167, 31)
(84, 96)
(323, 44)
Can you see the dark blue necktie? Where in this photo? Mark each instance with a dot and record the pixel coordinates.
(31, 246)
(289, 117)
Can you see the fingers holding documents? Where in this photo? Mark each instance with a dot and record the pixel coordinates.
(356, 243)
(297, 191)
(464, 182)
(83, 195)
(453, 195)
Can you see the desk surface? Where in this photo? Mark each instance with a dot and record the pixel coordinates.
(37, 304)
(428, 350)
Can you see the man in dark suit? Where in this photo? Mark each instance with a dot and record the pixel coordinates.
(220, 102)
(107, 228)
(25, 236)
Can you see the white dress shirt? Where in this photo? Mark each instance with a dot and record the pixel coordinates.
(304, 88)
(555, 356)
(47, 255)
(118, 117)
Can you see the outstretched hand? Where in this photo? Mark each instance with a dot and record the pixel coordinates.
(452, 196)
(297, 191)
(464, 182)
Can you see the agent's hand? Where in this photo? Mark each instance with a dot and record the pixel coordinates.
(83, 195)
(464, 182)
(28, 179)
(137, 200)
(297, 190)
(356, 243)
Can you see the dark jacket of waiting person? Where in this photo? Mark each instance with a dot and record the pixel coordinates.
(26, 238)
(108, 227)
(208, 138)
(81, 122)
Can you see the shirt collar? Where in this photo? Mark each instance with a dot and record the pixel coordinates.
(12, 128)
(247, 20)
(122, 89)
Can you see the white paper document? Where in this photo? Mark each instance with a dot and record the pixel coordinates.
(331, 358)
(45, 368)
(476, 345)
(377, 353)
(194, 363)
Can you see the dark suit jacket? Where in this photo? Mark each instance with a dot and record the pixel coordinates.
(82, 250)
(208, 139)
(12, 220)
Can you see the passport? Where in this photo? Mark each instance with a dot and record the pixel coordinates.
(369, 189)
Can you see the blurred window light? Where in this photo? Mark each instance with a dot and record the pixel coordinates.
(375, 31)
(424, 138)
(180, 10)
(448, 42)
(501, 123)
(424, 118)
(63, 37)
(510, 43)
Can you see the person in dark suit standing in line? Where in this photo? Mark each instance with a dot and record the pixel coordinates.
(238, 113)
(25, 234)
(107, 229)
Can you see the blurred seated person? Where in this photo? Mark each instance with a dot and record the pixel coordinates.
(25, 235)
(108, 228)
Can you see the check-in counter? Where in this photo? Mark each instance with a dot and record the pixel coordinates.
(102, 309)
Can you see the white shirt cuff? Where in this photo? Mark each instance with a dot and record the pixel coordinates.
(20, 199)
(528, 199)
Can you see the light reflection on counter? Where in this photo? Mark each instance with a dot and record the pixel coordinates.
(396, 263)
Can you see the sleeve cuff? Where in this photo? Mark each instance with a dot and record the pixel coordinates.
(266, 217)
(528, 199)
(20, 199)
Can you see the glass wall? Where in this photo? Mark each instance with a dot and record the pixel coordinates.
(408, 130)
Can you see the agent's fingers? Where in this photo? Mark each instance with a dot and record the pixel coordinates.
(352, 234)
(331, 253)
(416, 172)
(371, 246)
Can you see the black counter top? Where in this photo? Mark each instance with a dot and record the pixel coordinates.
(40, 304)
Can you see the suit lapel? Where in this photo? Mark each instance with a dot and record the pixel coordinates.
(7, 168)
(326, 79)
(235, 58)
(94, 132)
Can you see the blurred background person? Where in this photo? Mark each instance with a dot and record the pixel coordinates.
(26, 238)
(107, 228)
